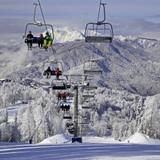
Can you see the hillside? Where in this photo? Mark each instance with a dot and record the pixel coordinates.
(126, 101)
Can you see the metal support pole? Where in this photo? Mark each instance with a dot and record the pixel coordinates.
(76, 137)
(76, 112)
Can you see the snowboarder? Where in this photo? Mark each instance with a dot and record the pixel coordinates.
(47, 41)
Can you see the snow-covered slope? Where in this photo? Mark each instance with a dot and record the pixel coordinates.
(139, 138)
(79, 152)
(62, 139)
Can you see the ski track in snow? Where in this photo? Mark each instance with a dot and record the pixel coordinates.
(79, 152)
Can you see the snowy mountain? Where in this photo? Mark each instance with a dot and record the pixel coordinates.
(126, 101)
(64, 34)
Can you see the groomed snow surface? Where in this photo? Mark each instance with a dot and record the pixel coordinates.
(59, 147)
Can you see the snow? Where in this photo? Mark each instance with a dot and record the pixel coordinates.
(62, 139)
(82, 151)
(95, 139)
(139, 138)
(57, 139)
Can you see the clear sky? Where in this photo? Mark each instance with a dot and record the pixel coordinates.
(127, 16)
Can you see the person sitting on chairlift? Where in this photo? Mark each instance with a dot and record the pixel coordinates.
(29, 40)
(47, 41)
(57, 73)
(40, 41)
(62, 96)
(48, 72)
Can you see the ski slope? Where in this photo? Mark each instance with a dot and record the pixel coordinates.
(59, 147)
(84, 151)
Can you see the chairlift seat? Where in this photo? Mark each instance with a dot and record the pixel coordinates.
(63, 87)
(35, 40)
(69, 125)
(88, 95)
(65, 107)
(59, 85)
(71, 130)
(67, 117)
(98, 39)
(86, 107)
(92, 71)
(90, 87)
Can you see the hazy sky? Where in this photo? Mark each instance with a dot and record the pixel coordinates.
(127, 16)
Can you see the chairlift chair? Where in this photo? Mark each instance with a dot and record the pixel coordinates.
(88, 84)
(91, 67)
(86, 107)
(67, 116)
(75, 78)
(88, 95)
(60, 84)
(69, 124)
(71, 130)
(90, 87)
(65, 96)
(47, 27)
(51, 68)
(100, 31)
(64, 106)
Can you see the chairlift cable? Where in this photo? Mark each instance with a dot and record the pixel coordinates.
(99, 12)
(35, 10)
(42, 14)
(45, 22)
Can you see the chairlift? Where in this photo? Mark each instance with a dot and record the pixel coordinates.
(89, 87)
(88, 84)
(91, 67)
(64, 95)
(69, 124)
(60, 84)
(88, 104)
(100, 31)
(71, 130)
(88, 95)
(47, 28)
(52, 68)
(64, 106)
(86, 107)
(75, 78)
(67, 116)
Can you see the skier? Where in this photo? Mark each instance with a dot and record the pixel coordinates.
(29, 40)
